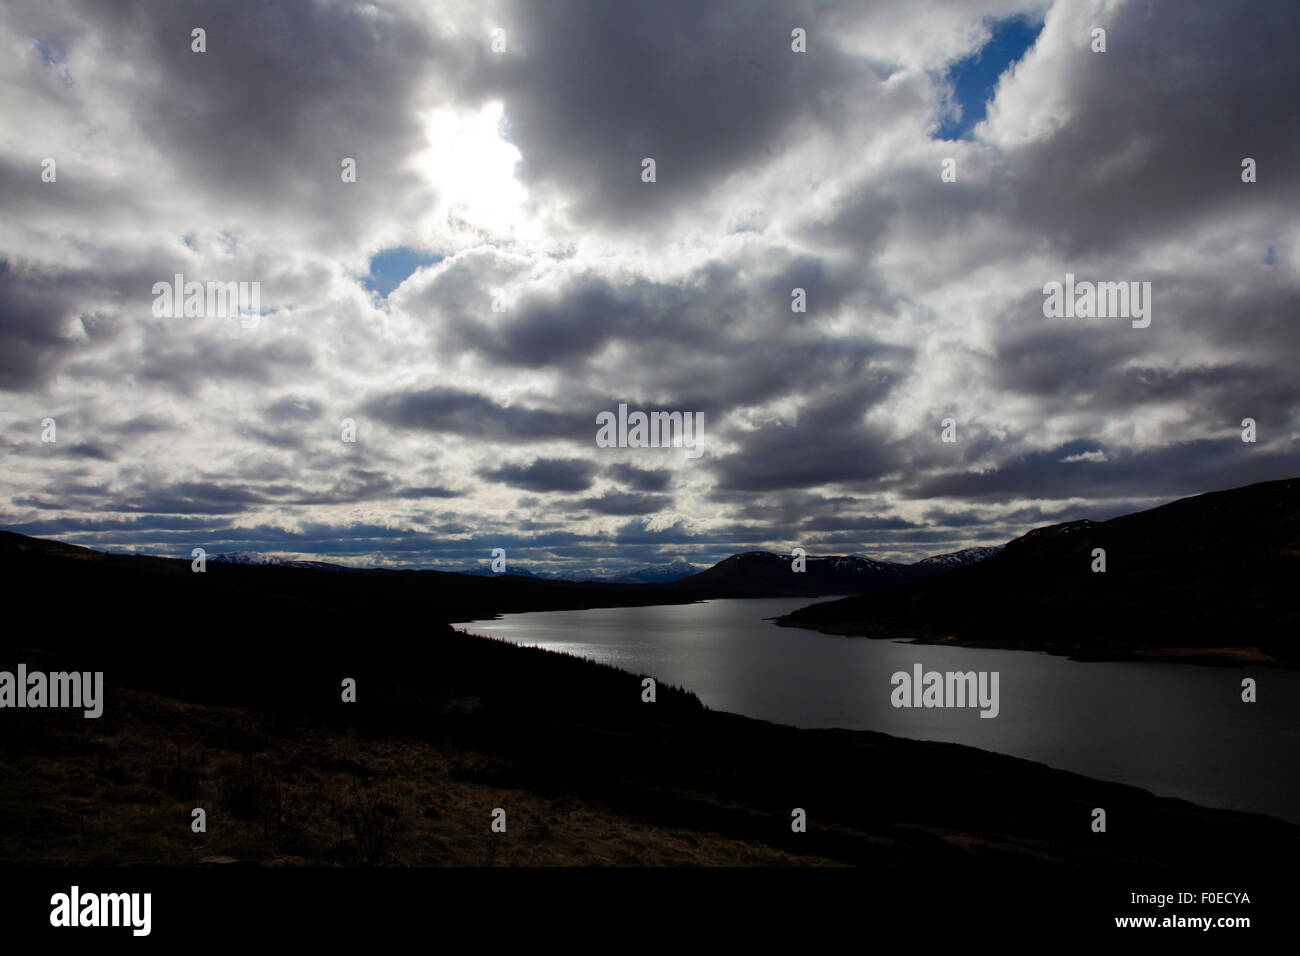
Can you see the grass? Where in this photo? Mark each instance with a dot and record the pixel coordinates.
(121, 792)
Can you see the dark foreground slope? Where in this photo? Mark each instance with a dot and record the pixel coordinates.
(231, 702)
(1206, 578)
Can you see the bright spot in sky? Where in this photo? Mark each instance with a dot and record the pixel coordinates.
(473, 168)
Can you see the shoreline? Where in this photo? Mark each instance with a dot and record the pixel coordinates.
(1222, 656)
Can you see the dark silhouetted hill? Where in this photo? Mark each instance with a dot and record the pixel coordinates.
(1211, 577)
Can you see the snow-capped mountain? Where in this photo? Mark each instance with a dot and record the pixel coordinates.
(256, 557)
(672, 571)
(245, 557)
(955, 559)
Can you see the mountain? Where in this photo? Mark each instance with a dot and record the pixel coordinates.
(956, 559)
(1208, 578)
(765, 574)
(585, 577)
(582, 577)
(753, 574)
(489, 573)
(245, 557)
(656, 574)
(674, 570)
(256, 557)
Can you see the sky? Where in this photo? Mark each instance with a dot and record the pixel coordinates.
(499, 272)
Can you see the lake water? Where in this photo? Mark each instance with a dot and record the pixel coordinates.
(1178, 730)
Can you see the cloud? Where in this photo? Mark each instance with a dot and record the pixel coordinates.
(626, 503)
(545, 474)
(640, 479)
(441, 409)
(537, 281)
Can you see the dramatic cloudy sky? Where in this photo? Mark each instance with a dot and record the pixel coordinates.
(517, 175)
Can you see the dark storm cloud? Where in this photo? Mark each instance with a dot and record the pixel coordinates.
(91, 450)
(948, 518)
(144, 425)
(348, 486)
(861, 523)
(542, 333)
(58, 526)
(713, 340)
(285, 438)
(794, 506)
(626, 503)
(39, 309)
(826, 286)
(1215, 81)
(1182, 469)
(30, 329)
(346, 79)
(428, 491)
(704, 89)
(192, 497)
(640, 479)
(830, 443)
(544, 474)
(351, 486)
(744, 372)
(442, 409)
(578, 320)
(1103, 365)
(934, 540)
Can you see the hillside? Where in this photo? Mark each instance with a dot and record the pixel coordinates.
(428, 596)
(222, 692)
(1208, 578)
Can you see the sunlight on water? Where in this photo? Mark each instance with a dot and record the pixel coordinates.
(1178, 730)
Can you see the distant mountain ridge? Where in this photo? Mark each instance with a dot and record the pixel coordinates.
(672, 571)
(766, 574)
(256, 557)
(750, 574)
(655, 574)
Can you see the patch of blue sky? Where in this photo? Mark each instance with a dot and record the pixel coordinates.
(389, 268)
(974, 78)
